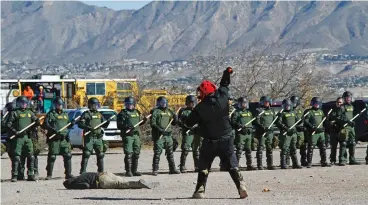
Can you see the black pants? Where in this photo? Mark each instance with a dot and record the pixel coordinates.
(223, 148)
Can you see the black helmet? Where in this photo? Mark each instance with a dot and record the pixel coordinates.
(128, 101)
(243, 103)
(22, 102)
(10, 106)
(162, 102)
(58, 103)
(295, 100)
(287, 104)
(231, 97)
(93, 103)
(189, 99)
(265, 99)
(348, 97)
(316, 101)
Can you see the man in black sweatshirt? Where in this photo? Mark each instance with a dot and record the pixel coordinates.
(105, 180)
(212, 117)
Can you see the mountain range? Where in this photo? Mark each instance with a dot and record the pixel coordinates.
(73, 32)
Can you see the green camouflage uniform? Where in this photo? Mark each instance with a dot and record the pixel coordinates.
(263, 122)
(60, 143)
(22, 144)
(311, 122)
(288, 140)
(243, 137)
(159, 121)
(126, 119)
(190, 140)
(92, 141)
(346, 136)
(335, 129)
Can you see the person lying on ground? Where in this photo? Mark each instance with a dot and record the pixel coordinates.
(105, 180)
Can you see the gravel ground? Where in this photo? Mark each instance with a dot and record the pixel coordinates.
(335, 185)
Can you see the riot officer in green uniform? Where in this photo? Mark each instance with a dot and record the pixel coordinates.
(288, 136)
(335, 128)
(240, 121)
(315, 135)
(7, 110)
(301, 142)
(93, 140)
(190, 137)
(22, 145)
(264, 133)
(162, 138)
(126, 120)
(366, 123)
(347, 133)
(56, 119)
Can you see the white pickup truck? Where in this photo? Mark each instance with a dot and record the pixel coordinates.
(111, 133)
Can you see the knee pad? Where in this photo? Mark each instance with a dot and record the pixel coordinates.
(86, 154)
(100, 156)
(343, 144)
(31, 157)
(52, 157)
(67, 156)
(261, 148)
(16, 158)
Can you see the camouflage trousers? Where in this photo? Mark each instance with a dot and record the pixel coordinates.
(108, 180)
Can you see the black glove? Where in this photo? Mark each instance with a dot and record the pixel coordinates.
(37, 122)
(269, 129)
(352, 124)
(166, 133)
(67, 138)
(18, 133)
(144, 120)
(290, 132)
(320, 129)
(89, 128)
(300, 128)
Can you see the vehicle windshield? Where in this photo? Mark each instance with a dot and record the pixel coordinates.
(108, 114)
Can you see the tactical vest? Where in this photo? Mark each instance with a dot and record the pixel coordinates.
(299, 113)
(164, 118)
(315, 117)
(59, 121)
(95, 118)
(244, 116)
(288, 118)
(349, 109)
(267, 117)
(24, 118)
(131, 118)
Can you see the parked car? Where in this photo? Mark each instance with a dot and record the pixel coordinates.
(111, 133)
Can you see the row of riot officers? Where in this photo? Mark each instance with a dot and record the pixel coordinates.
(298, 129)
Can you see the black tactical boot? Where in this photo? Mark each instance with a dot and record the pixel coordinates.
(200, 189)
(100, 163)
(170, 159)
(15, 166)
(135, 165)
(283, 161)
(128, 165)
(30, 168)
(270, 162)
(84, 164)
(68, 165)
(183, 158)
(294, 159)
(196, 160)
(36, 167)
(239, 182)
(248, 157)
(259, 161)
(352, 160)
(50, 166)
(287, 160)
(303, 155)
(309, 156)
(155, 164)
(324, 156)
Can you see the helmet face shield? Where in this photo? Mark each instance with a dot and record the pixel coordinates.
(130, 106)
(162, 104)
(348, 99)
(316, 105)
(22, 104)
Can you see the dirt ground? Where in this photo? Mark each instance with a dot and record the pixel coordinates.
(317, 185)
